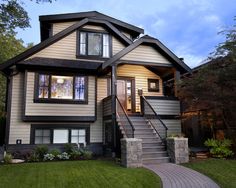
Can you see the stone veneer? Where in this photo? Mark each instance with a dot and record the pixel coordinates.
(131, 152)
(177, 149)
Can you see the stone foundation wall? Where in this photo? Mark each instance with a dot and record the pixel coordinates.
(131, 152)
(177, 149)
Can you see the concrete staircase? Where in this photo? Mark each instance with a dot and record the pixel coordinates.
(154, 151)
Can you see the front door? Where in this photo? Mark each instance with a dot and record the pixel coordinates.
(125, 93)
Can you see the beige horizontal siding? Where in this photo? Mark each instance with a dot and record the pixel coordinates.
(173, 125)
(141, 75)
(96, 127)
(21, 130)
(51, 109)
(126, 34)
(147, 54)
(57, 27)
(62, 49)
(116, 45)
(18, 128)
(94, 27)
(165, 107)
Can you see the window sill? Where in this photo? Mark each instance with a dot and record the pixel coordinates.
(60, 101)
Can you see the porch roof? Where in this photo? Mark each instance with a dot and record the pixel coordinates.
(147, 40)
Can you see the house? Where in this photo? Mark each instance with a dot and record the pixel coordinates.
(92, 80)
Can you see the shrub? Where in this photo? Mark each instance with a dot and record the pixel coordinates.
(219, 148)
(55, 152)
(21, 155)
(87, 154)
(40, 151)
(48, 157)
(7, 158)
(63, 156)
(75, 155)
(33, 157)
(69, 148)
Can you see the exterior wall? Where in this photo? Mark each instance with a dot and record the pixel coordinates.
(116, 45)
(141, 75)
(96, 127)
(146, 54)
(18, 128)
(21, 130)
(165, 107)
(53, 109)
(57, 27)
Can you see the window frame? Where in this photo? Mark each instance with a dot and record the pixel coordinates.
(157, 82)
(86, 56)
(55, 100)
(53, 127)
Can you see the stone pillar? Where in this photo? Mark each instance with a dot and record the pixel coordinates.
(131, 152)
(177, 149)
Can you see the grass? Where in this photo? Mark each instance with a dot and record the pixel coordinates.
(220, 170)
(75, 174)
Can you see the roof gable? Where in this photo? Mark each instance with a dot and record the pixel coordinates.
(147, 40)
(61, 35)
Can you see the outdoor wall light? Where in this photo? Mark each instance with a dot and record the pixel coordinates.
(140, 91)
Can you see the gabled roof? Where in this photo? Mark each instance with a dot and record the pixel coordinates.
(61, 35)
(135, 31)
(149, 41)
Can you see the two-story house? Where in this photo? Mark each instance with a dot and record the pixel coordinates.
(92, 80)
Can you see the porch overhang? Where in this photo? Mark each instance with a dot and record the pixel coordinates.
(174, 61)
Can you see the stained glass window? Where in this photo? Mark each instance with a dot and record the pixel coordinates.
(80, 88)
(43, 85)
(62, 87)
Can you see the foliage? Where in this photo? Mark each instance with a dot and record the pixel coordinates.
(7, 158)
(48, 157)
(40, 151)
(33, 157)
(87, 154)
(212, 87)
(54, 152)
(219, 148)
(68, 148)
(76, 154)
(220, 170)
(63, 156)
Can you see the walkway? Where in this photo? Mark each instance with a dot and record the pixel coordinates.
(176, 176)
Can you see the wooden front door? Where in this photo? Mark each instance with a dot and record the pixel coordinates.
(125, 93)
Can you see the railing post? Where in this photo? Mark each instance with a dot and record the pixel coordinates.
(113, 102)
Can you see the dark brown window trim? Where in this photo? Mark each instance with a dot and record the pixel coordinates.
(59, 118)
(157, 81)
(95, 57)
(51, 127)
(58, 101)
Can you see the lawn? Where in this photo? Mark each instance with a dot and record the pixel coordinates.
(222, 171)
(71, 174)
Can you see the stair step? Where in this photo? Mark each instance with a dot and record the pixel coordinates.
(151, 144)
(143, 135)
(156, 160)
(154, 148)
(154, 154)
(151, 140)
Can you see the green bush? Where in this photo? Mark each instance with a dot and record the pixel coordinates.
(219, 148)
(33, 157)
(69, 148)
(55, 152)
(40, 151)
(87, 154)
(7, 158)
(76, 154)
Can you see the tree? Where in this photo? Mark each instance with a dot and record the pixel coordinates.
(12, 16)
(213, 85)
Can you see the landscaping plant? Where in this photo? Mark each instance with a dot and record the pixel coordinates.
(7, 158)
(219, 148)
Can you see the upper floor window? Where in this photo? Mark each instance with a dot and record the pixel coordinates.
(94, 44)
(58, 88)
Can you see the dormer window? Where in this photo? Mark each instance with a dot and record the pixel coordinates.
(94, 44)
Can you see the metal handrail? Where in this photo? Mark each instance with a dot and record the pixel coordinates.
(156, 131)
(158, 117)
(126, 115)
